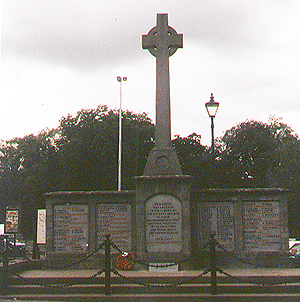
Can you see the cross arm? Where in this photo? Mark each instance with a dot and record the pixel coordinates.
(149, 41)
(175, 39)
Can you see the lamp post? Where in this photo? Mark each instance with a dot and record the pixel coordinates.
(212, 108)
(120, 80)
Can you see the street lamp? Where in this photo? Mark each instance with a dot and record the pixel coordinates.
(212, 108)
(120, 80)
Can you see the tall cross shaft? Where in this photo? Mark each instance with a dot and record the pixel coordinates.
(162, 41)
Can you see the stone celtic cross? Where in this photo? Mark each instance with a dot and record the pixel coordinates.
(162, 41)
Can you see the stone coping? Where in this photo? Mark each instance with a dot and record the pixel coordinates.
(163, 177)
(168, 177)
(90, 193)
(240, 191)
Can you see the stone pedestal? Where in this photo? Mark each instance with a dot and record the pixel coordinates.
(162, 227)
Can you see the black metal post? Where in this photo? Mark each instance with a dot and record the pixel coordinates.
(4, 268)
(212, 138)
(35, 247)
(213, 266)
(107, 265)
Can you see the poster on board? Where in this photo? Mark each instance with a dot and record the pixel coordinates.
(12, 221)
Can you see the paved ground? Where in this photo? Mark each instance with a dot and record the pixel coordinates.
(235, 272)
(175, 297)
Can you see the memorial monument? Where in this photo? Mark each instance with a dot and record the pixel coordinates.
(162, 193)
(163, 221)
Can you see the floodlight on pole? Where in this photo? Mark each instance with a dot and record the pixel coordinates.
(212, 108)
(120, 80)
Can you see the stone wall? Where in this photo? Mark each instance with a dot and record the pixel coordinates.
(248, 223)
(77, 222)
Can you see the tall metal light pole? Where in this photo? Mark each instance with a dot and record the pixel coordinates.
(212, 108)
(120, 80)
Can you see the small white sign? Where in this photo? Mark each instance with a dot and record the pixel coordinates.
(1, 228)
(163, 267)
(41, 227)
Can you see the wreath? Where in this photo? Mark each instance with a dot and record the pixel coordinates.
(125, 261)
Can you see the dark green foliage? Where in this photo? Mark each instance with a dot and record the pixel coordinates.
(249, 148)
(82, 155)
(88, 148)
(196, 160)
(28, 169)
(260, 155)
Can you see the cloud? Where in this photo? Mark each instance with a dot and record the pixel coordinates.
(67, 32)
(89, 35)
(68, 53)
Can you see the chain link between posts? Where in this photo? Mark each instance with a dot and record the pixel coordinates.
(241, 279)
(149, 285)
(257, 265)
(115, 272)
(245, 280)
(98, 273)
(68, 284)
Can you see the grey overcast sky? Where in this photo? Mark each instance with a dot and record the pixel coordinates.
(61, 56)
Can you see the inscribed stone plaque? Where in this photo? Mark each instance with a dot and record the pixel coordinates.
(261, 226)
(70, 228)
(216, 218)
(115, 219)
(163, 224)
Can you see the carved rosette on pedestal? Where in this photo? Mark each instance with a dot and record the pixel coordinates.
(162, 162)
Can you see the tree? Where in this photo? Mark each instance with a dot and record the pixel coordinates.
(251, 148)
(88, 148)
(194, 158)
(27, 171)
(256, 154)
(80, 155)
